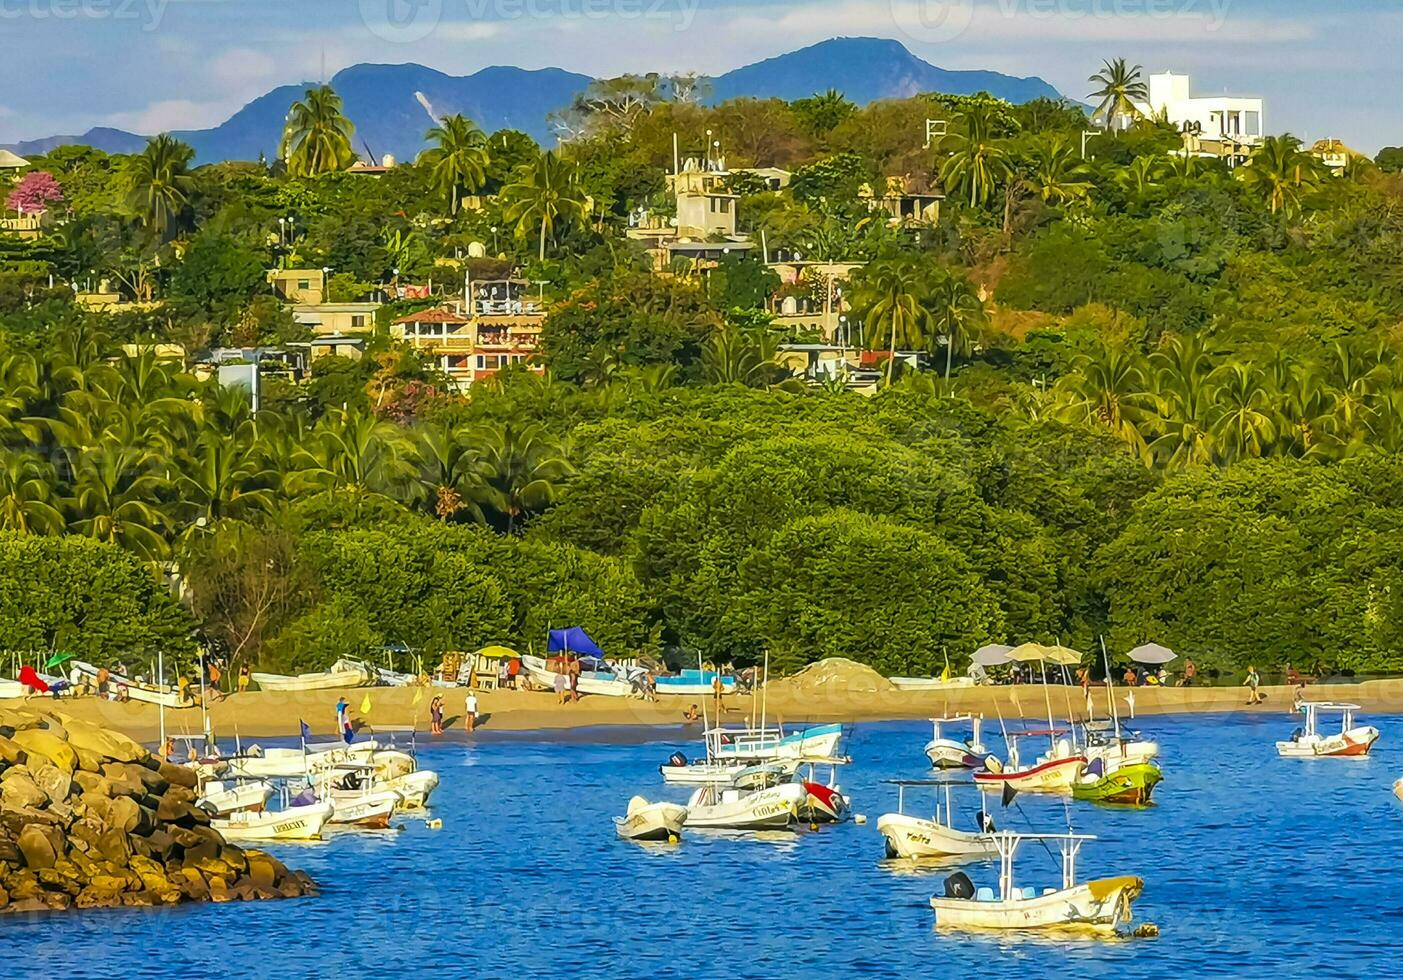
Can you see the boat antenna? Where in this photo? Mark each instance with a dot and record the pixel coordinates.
(1110, 696)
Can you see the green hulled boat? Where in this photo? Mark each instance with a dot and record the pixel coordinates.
(1132, 783)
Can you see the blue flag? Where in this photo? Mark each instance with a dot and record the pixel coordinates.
(306, 732)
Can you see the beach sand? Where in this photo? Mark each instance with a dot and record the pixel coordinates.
(260, 714)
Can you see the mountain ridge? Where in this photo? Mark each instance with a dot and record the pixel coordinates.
(387, 101)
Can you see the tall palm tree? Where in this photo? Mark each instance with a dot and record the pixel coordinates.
(1110, 387)
(159, 185)
(1119, 88)
(1185, 392)
(358, 455)
(977, 160)
(453, 473)
(545, 196)
(459, 160)
(19, 385)
(225, 478)
(956, 313)
(889, 298)
(115, 498)
(317, 135)
(26, 494)
(1282, 174)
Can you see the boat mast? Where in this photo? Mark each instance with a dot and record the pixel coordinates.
(1110, 696)
(160, 682)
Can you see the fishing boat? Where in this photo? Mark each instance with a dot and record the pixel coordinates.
(719, 807)
(918, 838)
(942, 683)
(164, 695)
(817, 743)
(599, 677)
(651, 821)
(953, 753)
(323, 680)
(1128, 783)
(1117, 749)
(286, 763)
(1051, 773)
(379, 676)
(1398, 789)
(1100, 907)
(1307, 742)
(12, 689)
(414, 788)
(740, 774)
(220, 798)
(290, 823)
(694, 683)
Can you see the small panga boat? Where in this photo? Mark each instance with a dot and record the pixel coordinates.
(220, 798)
(1398, 789)
(1132, 783)
(1099, 907)
(322, 680)
(290, 823)
(161, 694)
(916, 838)
(651, 821)
(1052, 773)
(1350, 742)
(945, 752)
(765, 809)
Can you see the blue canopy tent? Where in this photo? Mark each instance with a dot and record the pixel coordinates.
(575, 640)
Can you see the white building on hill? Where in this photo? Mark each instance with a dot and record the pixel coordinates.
(1225, 126)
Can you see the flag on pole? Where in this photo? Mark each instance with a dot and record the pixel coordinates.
(418, 695)
(365, 705)
(306, 732)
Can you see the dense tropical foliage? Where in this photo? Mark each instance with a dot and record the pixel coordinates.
(1138, 394)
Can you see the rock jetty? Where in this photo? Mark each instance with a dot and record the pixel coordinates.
(90, 819)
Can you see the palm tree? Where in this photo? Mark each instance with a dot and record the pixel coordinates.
(523, 469)
(545, 196)
(19, 385)
(1281, 174)
(225, 478)
(317, 135)
(956, 313)
(1242, 425)
(1185, 393)
(1109, 387)
(1057, 172)
(26, 492)
(453, 473)
(733, 356)
(159, 185)
(1143, 174)
(888, 297)
(458, 163)
(977, 161)
(116, 489)
(1120, 89)
(359, 455)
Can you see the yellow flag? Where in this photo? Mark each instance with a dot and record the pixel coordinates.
(418, 695)
(365, 705)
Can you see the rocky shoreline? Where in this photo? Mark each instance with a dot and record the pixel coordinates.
(91, 819)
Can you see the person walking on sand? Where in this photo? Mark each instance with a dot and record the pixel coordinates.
(436, 715)
(470, 713)
(1253, 681)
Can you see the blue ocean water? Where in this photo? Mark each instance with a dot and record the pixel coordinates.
(1254, 866)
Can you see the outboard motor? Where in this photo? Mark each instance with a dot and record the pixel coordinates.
(677, 759)
(958, 885)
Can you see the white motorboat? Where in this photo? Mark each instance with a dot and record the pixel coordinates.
(943, 683)
(1351, 742)
(11, 689)
(719, 807)
(1119, 750)
(651, 821)
(945, 752)
(291, 823)
(1398, 789)
(819, 743)
(358, 797)
(1051, 773)
(739, 774)
(165, 695)
(286, 763)
(917, 838)
(1099, 907)
(414, 788)
(222, 798)
(694, 683)
(324, 680)
(617, 682)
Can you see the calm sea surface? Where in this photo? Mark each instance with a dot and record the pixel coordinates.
(1254, 866)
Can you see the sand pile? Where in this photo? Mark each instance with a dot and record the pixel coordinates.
(831, 677)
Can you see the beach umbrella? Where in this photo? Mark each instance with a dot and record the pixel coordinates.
(57, 659)
(992, 654)
(1027, 653)
(497, 653)
(1152, 653)
(1063, 656)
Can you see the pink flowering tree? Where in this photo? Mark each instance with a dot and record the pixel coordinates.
(35, 192)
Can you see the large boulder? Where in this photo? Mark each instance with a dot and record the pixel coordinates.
(57, 785)
(40, 846)
(18, 789)
(10, 751)
(178, 775)
(101, 741)
(48, 746)
(92, 782)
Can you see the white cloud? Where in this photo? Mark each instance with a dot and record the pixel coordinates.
(243, 67)
(174, 114)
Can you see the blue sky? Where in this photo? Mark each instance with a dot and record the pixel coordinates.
(1326, 67)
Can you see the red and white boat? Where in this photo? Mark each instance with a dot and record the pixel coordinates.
(1051, 773)
(1350, 742)
(823, 804)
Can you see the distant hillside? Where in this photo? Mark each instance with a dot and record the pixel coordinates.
(386, 102)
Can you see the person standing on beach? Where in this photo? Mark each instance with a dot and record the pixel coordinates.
(1190, 672)
(1253, 681)
(436, 715)
(244, 678)
(343, 720)
(470, 713)
(559, 688)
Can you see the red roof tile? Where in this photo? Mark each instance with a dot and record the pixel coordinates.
(434, 316)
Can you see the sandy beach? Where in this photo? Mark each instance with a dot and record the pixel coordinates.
(261, 714)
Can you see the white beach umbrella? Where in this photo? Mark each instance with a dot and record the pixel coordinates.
(992, 654)
(1152, 653)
